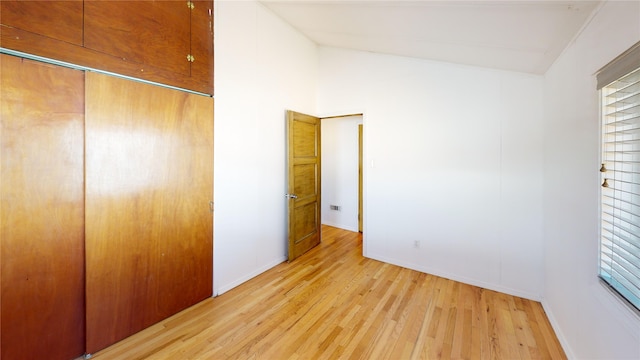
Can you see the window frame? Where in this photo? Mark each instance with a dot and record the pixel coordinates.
(622, 66)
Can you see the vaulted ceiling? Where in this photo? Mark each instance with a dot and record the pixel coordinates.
(525, 36)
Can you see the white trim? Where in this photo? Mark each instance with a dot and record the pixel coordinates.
(627, 315)
(340, 226)
(558, 330)
(462, 279)
(223, 289)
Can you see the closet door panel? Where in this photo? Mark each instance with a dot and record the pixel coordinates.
(149, 161)
(41, 210)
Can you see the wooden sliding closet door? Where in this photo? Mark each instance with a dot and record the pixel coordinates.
(149, 180)
(41, 210)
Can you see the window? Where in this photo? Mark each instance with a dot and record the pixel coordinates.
(619, 85)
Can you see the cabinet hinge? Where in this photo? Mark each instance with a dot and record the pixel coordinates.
(190, 58)
(190, 5)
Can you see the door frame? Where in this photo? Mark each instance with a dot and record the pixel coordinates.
(362, 199)
(360, 176)
(360, 164)
(362, 186)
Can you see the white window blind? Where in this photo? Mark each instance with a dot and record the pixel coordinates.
(620, 229)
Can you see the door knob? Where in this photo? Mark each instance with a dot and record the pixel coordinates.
(291, 196)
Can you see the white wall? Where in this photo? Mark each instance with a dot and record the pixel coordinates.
(263, 67)
(494, 173)
(590, 322)
(454, 161)
(340, 171)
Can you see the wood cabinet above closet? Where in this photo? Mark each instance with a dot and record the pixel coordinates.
(144, 32)
(168, 42)
(57, 20)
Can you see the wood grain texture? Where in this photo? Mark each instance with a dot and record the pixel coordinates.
(141, 39)
(202, 41)
(60, 20)
(332, 303)
(41, 210)
(149, 160)
(156, 33)
(304, 182)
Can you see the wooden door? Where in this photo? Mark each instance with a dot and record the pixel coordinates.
(202, 42)
(304, 182)
(41, 210)
(149, 176)
(60, 20)
(156, 33)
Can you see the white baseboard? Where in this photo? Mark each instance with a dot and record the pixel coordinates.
(556, 328)
(344, 227)
(224, 288)
(462, 279)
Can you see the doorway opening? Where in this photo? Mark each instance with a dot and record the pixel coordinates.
(342, 172)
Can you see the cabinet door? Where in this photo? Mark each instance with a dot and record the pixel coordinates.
(149, 180)
(41, 210)
(60, 20)
(202, 42)
(153, 33)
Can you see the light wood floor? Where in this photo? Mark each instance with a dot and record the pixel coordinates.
(333, 303)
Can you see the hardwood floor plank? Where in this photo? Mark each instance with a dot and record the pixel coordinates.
(332, 303)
